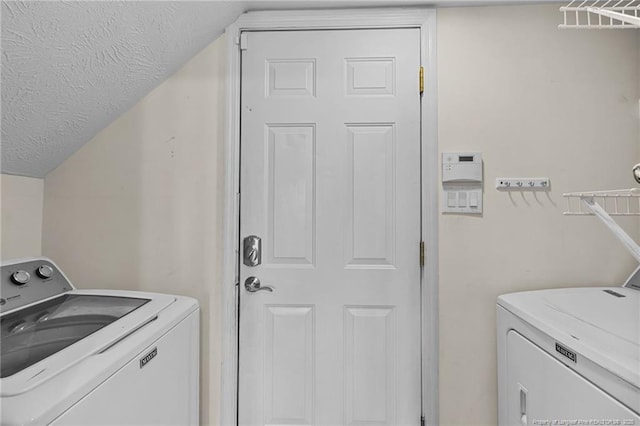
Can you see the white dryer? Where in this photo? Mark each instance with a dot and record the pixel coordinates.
(94, 357)
(570, 356)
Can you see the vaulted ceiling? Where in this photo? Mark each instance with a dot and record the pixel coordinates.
(69, 68)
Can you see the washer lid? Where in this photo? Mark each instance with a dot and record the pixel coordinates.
(32, 334)
(44, 339)
(600, 323)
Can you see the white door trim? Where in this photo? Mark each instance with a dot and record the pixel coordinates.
(422, 18)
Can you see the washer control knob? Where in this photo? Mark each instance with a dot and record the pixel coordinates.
(44, 271)
(20, 277)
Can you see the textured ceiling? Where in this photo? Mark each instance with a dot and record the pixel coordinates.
(71, 68)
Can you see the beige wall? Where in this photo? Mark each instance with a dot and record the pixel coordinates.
(536, 101)
(21, 206)
(142, 201)
(139, 207)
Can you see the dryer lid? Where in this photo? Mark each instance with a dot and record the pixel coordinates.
(600, 323)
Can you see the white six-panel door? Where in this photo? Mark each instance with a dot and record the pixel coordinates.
(330, 181)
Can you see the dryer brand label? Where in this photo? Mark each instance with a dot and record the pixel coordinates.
(148, 357)
(566, 352)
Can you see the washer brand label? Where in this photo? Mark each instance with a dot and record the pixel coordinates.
(566, 352)
(148, 357)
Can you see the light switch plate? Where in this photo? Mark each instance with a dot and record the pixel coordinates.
(462, 200)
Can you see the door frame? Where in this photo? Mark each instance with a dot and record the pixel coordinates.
(380, 18)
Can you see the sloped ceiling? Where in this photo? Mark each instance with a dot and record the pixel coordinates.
(69, 68)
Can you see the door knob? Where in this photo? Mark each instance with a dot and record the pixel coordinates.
(252, 285)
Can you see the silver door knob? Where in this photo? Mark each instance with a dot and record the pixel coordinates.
(252, 285)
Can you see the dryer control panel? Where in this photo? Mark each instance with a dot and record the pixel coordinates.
(30, 281)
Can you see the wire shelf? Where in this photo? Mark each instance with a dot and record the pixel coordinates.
(601, 14)
(622, 202)
(603, 205)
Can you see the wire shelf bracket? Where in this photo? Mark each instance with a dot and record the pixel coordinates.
(601, 14)
(603, 205)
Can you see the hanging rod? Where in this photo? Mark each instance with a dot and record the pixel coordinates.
(601, 14)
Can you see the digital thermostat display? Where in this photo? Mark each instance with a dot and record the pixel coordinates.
(465, 158)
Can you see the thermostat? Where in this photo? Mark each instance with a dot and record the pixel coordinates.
(462, 182)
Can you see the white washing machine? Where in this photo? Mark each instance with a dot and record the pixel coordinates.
(94, 357)
(570, 356)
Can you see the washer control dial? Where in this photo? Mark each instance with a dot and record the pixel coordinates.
(44, 271)
(20, 277)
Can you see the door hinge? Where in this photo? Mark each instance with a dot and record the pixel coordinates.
(421, 253)
(421, 80)
(421, 420)
(243, 42)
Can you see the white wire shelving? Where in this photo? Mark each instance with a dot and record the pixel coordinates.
(603, 205)
(601, 14)
(621, 202)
